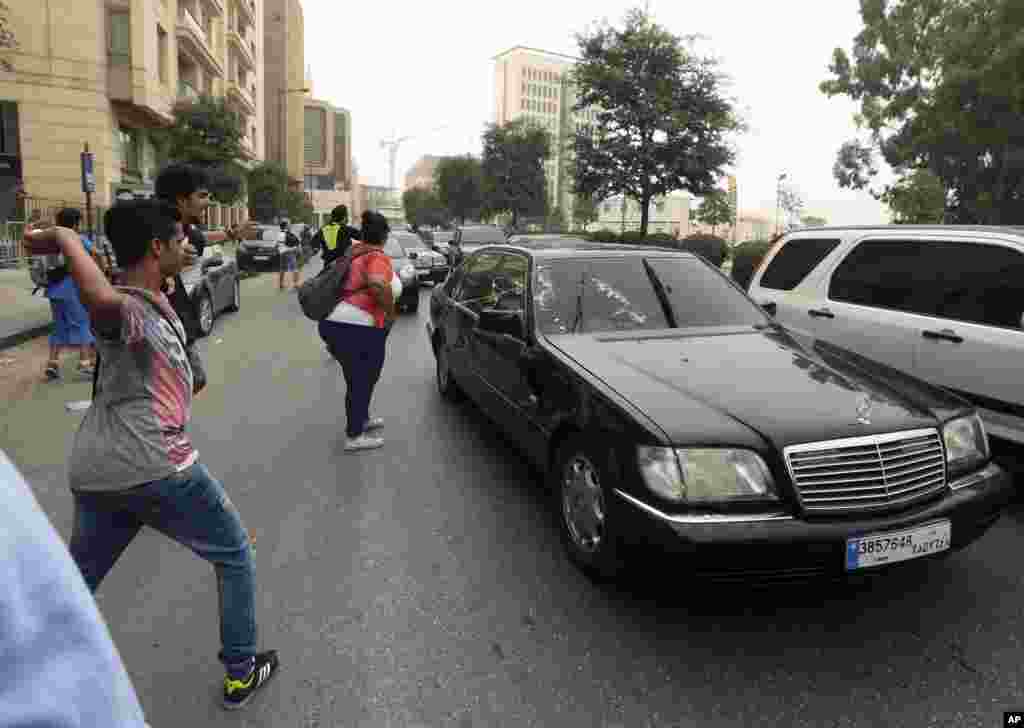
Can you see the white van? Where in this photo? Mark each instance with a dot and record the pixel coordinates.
(943, 303)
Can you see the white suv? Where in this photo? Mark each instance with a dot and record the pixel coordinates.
(944, 303)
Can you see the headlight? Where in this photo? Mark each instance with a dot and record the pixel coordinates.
(407, 272)
(966, 445)
(703, 476)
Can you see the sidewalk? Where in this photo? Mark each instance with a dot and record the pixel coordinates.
(22, 315)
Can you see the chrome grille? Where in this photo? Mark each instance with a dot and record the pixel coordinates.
(868, 473)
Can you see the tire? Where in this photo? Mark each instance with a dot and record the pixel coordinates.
(443, 377)
(581, 491)
(205, 314)
(236, 300)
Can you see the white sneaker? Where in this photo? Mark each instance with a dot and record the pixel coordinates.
(374, 423)
(363, 442)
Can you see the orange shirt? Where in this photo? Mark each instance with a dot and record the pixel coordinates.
(373, 267)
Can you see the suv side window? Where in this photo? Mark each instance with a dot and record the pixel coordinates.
(794, 261)
(478, 280)
(895, 274)
(982, 284)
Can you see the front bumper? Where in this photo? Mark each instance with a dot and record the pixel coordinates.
(780, 545)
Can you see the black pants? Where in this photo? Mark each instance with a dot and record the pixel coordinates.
(360, 351)
(185, 309)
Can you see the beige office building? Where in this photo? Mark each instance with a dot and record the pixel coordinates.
(327, 156)
(535, 84)
(106, 73)
(421, 174)
(285, 77)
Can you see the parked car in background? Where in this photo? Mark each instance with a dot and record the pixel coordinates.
(403, 266)
(944, 303)
(670, 412)
(430, 265)
(259, 248)
(213, 285)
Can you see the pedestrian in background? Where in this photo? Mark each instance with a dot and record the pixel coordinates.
(60, 667)
(334, 238)
(356, 331)
(133, 463)
(288, 256)
(71, 327)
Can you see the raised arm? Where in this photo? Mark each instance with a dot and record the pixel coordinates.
(101, 298)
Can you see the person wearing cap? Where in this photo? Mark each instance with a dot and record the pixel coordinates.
(334, 238)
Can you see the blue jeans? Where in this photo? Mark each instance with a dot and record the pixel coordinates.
(360, 351)
(192, 508)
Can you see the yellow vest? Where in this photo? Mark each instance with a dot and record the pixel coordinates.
(330, 232)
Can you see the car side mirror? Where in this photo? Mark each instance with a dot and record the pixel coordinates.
(509, 323)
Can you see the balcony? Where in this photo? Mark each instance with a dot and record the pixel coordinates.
(193, 42)
(240, 96)
(245, 53)
(216, 7)
(247, 10)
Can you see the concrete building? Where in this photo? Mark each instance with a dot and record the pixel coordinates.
(284, 37)
(106, 73)
(421, 174)
(327, 157)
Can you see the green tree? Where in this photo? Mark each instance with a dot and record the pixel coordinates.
(585, 210)
(207, 132)
(271, 195)
(459, 185)
(813, 221)
(513, 169)
(715, 209)
(940, 88)
(423, 207)
(917, 198)
(662, 119)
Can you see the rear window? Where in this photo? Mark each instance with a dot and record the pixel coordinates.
(483, 235)
(794, 261)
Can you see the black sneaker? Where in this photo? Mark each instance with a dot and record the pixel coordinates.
(238, 692)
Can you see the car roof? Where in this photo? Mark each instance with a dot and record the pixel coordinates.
(579, 248)
(1012, 229)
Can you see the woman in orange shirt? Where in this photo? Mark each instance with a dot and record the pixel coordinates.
(356, 331)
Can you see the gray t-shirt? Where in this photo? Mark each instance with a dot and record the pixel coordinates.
(135, 432)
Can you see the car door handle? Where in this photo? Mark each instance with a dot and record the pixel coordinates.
(821, 313)
(944, 335)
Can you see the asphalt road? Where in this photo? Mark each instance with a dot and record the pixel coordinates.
(424, 585)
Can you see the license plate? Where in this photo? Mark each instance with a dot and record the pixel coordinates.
(261, 257)
(889, 548)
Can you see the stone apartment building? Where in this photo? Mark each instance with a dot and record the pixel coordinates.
(284, 33)
(330, 179)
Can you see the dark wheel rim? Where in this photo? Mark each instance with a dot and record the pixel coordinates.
(583, 503)
(206, 314)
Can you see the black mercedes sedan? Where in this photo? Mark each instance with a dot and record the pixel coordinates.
(668, 410)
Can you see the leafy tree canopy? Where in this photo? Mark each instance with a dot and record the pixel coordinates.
(208, 133)
(917, 198)
(423, 207)
(663, 120)
(459, 185)
(513, 168)
(715, 209)
(271, 196)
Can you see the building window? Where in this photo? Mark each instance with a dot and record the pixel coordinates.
(161, 50)
(129, 147)
(120, 40)
(9, 143)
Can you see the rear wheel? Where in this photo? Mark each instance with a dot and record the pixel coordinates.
(446, 384)
(236, 297)
(205, 314)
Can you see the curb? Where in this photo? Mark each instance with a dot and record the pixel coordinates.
(8, 342)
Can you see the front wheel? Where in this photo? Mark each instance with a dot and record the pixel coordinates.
(582, 492)
(205, 314)
(236, 297)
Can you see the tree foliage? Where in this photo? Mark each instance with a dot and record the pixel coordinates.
(208, 133)
(917, 198)
(662, 117)
(459, 185)
(715, 209)
(585, 210)
(271, 196)
(423, 207)
(941, 87)
(513, 169)
(813, 221)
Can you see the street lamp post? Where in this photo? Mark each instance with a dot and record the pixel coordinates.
(778, 200)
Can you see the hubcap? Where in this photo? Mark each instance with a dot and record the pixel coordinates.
(583, 503)
(206, 313)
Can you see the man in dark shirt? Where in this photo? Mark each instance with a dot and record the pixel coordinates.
(335, 237)
(188, 188)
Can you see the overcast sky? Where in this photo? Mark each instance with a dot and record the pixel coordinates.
(410, 68)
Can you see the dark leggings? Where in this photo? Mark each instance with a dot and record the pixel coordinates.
(360, 351)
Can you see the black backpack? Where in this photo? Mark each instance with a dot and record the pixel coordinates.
(320, 294)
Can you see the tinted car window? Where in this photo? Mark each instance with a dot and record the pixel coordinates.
(794, 261)
(982, 284)
(510, 283)
(591, 296)
(478, 280)
(896, 274)
(698, 296)
(408, 241)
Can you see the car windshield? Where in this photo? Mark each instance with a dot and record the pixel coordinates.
(393, 249)
(408, 241)
(601, 295)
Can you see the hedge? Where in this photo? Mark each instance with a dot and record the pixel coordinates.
(710, 247)
(746, 257)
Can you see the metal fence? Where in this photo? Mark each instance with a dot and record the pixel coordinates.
(12, 246)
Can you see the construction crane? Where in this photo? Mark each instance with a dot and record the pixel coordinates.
(392, 146)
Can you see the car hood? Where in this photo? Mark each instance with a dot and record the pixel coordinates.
(720, 386)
